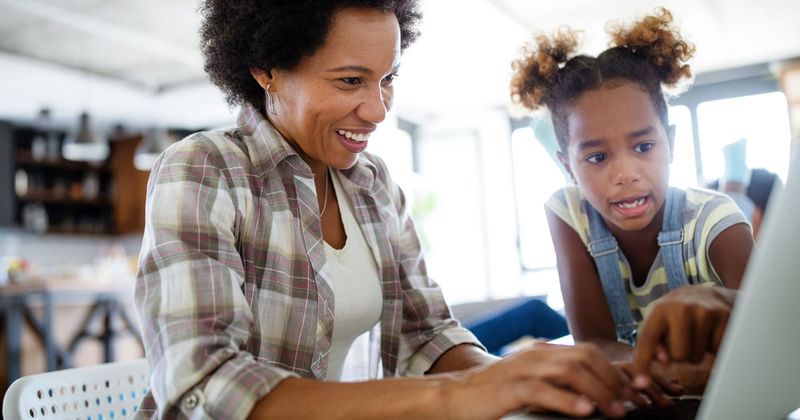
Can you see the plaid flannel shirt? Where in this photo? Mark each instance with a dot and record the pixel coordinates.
(232, 291)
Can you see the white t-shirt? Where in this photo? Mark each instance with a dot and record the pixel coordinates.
(356, 286)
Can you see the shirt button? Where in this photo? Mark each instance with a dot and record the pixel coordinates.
(191, 401)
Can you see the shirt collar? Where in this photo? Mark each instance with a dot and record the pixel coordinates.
(266, 146)
(363, 173)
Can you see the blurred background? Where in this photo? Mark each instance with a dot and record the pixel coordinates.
(91, 91)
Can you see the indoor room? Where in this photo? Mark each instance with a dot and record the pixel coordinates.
(92, 94)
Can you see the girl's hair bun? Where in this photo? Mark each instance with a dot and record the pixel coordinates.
(655, 39)
(535, 72)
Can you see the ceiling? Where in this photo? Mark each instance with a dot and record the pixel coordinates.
(137, 61)
(148, 43)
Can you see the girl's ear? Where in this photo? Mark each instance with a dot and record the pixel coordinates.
(671, 138)
(565, 163)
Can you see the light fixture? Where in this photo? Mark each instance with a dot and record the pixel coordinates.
(82, 145)
(155, 141)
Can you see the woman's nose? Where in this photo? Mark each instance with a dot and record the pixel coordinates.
(374, 107)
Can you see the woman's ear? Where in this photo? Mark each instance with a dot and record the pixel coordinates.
(262, 77)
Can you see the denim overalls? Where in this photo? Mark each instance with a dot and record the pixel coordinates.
(603, 248)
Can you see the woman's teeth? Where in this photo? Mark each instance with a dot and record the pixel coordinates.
(631, 204)
(353, 136)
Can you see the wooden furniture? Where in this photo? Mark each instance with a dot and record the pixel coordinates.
(45, 193)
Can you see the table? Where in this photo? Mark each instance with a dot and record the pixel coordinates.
(17, 302)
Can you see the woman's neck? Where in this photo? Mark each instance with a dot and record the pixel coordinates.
(318, 168)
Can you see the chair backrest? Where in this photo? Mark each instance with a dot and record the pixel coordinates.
(102, 392)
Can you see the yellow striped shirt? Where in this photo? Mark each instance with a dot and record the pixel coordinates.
(706, 214)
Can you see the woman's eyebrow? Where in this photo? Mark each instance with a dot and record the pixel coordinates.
(352, 68)
(359, 69)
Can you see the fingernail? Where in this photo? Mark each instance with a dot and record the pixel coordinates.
(583, 406)
(641, 381)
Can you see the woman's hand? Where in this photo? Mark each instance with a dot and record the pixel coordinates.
(566, 379)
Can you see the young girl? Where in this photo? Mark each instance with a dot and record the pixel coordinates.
(623, 238)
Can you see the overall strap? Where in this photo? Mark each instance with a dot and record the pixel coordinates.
(670, 239)
(604, 249)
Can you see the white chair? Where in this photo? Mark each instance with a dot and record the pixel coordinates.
(108, 391)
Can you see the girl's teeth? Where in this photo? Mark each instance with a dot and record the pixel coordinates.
(632, 204)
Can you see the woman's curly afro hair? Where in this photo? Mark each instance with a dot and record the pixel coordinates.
(239, 35)
(650, 53)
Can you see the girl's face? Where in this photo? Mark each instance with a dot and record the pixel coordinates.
(619, 153)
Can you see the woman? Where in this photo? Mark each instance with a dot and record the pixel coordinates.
(270, 246)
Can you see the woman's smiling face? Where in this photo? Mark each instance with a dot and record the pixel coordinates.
(330, 103)
(619, 153)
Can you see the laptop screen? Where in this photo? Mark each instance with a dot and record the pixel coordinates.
(757, 372)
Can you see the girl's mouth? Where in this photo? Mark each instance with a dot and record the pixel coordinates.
(633, 207)
(631, 204)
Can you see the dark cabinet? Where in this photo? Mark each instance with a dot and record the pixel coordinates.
(44, 193)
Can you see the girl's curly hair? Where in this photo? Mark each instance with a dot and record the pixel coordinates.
(650, 53)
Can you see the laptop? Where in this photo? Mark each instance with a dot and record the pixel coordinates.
(757, 371)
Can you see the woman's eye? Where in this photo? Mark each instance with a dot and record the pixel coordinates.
(596, 158)
(389, 79)
(644, 147)
(353, 81)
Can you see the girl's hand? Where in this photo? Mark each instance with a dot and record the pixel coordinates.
(683, 326)
(691, 377)
(658, 391)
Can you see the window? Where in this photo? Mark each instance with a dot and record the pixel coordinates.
(762, 119)
(683, 171)
(536, 177)
(452, 227)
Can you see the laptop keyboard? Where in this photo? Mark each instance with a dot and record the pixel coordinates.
(680, 409)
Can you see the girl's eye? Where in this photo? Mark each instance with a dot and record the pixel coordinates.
(596, 158)
(644, 147)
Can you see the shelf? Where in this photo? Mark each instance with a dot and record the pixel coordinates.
(24, 157)
(115, 203)
(49, 198)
